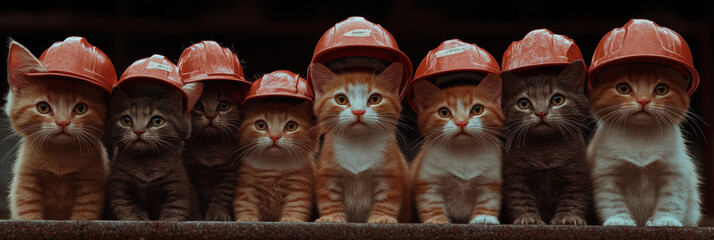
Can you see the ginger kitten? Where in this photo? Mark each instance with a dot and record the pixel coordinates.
(61, 164)
(275, 182)
(457, 175)
(361, 174)
(642, 172)
(546, 178)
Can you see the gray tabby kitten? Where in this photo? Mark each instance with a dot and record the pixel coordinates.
(210, 159)
(147, 180)
(546, 176)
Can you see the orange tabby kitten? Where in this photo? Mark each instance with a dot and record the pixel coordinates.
(61, 164)
(457, 174)
(361, 174)
(275, 180)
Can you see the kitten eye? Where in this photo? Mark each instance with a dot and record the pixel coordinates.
(477, 109)
(557, 99)
(623, 88)
(444, 112)
(341, 99)
(375, 98)
(80, 109)
(44, 108)
(524, 103)
(157, 121)
(198, 106)
(223, 106)
(261, 125)
(661, 89)
(125, 120)
(291, 126)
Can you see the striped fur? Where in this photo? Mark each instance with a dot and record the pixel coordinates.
(275, 180)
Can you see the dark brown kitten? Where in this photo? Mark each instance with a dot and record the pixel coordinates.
(147, 180)
(546, 176)
(210, 158)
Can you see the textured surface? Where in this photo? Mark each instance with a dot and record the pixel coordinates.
(231, 230)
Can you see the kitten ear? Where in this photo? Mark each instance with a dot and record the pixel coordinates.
(425, 93)
(510, 83)
(573, 76)
(492, 84)
(392, 77)
(320, 76)
(21, 61)
(173, 101)
(193, 91)
(118, 97)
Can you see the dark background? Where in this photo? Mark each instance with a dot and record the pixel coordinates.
(272, 35)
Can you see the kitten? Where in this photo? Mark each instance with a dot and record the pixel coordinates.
(276, 177)
(546, 176)
(147, 180)
(61, 163)
(642, 172)
(209, 158)
(457, 175)
(361, 175)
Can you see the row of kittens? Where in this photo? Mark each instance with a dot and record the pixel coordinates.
(461, 174)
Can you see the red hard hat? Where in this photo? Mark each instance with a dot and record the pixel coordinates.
(280, 83)
(157, 69)
(642, 40)
(207, 60)
(76, 58)
(357, 37)
(540, 48)
(452, 56)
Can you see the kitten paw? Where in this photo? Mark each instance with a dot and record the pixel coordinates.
(247, 219)
(529, 219)
(291, 219)
(619, 221)
(382, 219)
(484, 219)
(663, 221)
(332, 219)
(216, 214)
(564, 219)
(437, 220)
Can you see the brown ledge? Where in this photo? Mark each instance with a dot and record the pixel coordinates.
(233, 230)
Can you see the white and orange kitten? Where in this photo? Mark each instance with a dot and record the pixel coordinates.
(457, 175)
(361, 173)
(642, 172)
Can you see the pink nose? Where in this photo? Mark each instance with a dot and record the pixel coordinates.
(275, 138)
(63, 124)
(358, 113)
(462, 124)
(210, 116)
(643, 102)
(138, 132)
(541, 114)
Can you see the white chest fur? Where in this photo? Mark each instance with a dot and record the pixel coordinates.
(640, 147)
(464, 162)
(357, 154)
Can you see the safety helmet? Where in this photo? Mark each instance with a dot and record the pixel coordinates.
(207, 60)
(76, 58)
(642, 40)
(540, 48)
(449, 57)
(357, 38)
(154, 69)
(281, 83)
